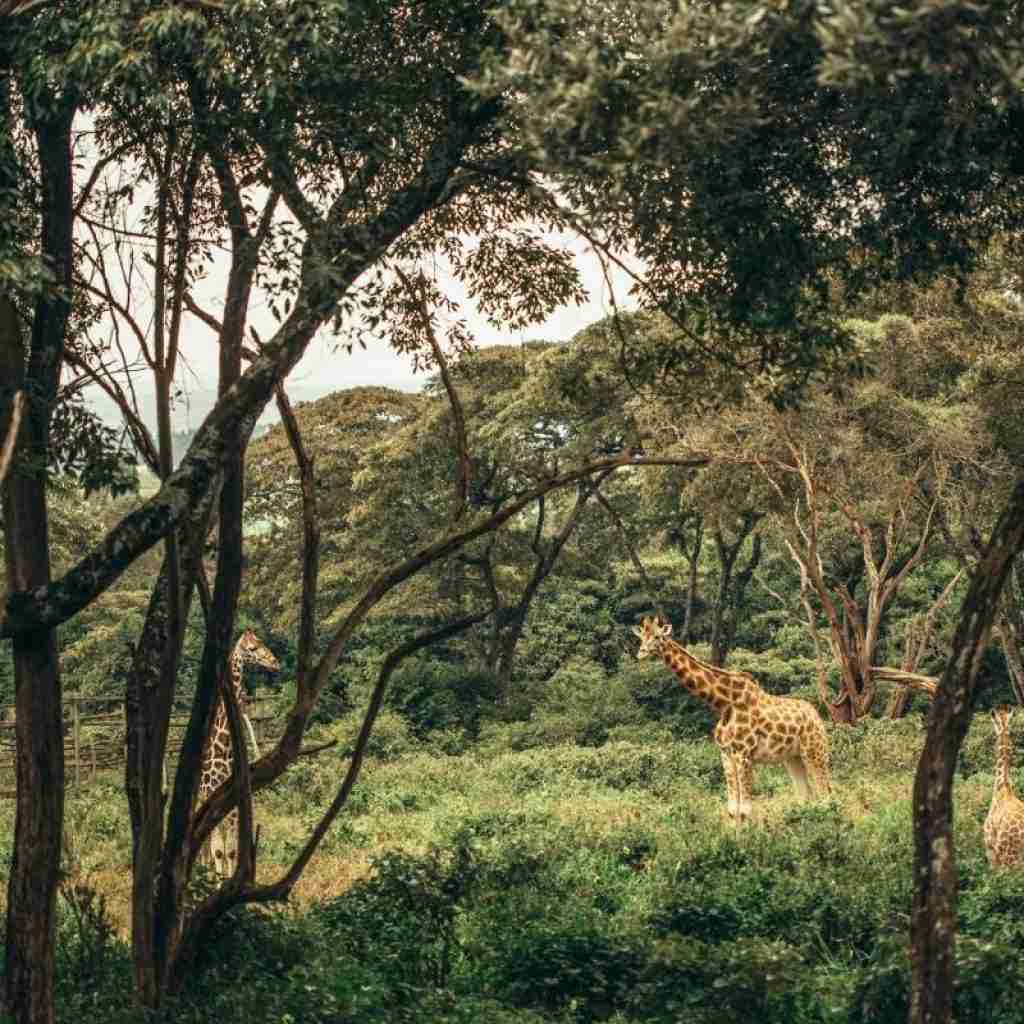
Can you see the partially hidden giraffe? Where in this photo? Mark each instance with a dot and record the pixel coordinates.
(754, 726)
(218, 757)
(1004, 825)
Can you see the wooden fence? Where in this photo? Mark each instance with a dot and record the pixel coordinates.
(94, 736)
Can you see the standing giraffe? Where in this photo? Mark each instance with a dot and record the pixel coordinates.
(220, 850)
(753, 726)
(1004, 826)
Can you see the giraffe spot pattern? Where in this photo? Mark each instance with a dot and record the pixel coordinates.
(753, 727)
(1004, 825)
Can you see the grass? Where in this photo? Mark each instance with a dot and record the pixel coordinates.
(584, 883)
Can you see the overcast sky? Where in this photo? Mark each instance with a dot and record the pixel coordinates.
(324, 370)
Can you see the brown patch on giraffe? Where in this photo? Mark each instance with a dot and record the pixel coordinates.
(753, 727)
(1004, 824)
(219, 852)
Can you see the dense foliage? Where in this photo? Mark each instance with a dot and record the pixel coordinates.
(528, 879)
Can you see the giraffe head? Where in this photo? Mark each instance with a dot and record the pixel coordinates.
(1001, 719)
(653, 631)
(253, 651)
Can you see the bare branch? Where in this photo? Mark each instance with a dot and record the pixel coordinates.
(417, 293)
(310, 542)
(634, 555)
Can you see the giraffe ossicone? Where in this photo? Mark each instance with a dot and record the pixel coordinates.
(1004, 824)
(754, 726)
(220, 851)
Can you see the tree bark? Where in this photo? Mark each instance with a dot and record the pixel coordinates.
(933, 920)
(730, 589)
(546, 556)
(32, 885)
(693, 558)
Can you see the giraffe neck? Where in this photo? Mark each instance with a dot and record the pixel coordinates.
(718, 689)
(1004, 760)
(219, 729)
(235, 666)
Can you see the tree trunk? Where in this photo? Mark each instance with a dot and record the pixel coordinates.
(693, 557)
(933, 920)
(730, 588)
(1009, 627)
(515, 617)
(39, 816)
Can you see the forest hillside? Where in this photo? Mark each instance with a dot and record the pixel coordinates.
(656, 660)
(540, 832)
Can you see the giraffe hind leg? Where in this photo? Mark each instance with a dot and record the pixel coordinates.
(798, 774)
(816, 763)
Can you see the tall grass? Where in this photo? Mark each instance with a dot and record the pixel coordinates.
(563, 882)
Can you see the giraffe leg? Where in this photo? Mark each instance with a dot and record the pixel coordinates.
(745, 780)
(731, 785)
(798, 774)
(816, 763)
(820, 775)
(218, 847)
(816, 757)
(230, 827)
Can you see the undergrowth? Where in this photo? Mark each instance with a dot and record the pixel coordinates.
(569, 882)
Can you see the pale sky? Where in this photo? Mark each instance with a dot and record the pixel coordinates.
(323, 370)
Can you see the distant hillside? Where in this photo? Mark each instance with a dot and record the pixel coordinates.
(181, 439)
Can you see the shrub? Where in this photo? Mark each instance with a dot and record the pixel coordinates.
(542, 964)
(776, 672)
(390, 739)
(435, 696)
(89, 954)
(747, 979)
(662, 699)
(402, 918)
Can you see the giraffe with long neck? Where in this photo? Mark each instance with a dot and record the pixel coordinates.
(1004, 825)
(753, 725)
(218, 756)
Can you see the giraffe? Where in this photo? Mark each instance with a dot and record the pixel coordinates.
(1004, 826)
(220, 850)
(753, 726)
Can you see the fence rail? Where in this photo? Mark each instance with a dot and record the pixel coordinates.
(94, 735)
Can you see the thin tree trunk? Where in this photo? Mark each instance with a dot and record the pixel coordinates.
(39, 817)
(933, 920)
(545, 562)
(730, 589)
(693, 557)
(653, 595)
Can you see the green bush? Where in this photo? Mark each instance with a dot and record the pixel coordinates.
(664, 700)
(434, 696)
(390, 739)
(89, 955)
(546, 966)
(775, 671)
(748, 979)
(581, 693)
(402, 918)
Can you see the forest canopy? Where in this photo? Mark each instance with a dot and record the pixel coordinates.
(798, 440)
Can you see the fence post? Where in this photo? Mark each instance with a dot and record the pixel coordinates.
(76, 736)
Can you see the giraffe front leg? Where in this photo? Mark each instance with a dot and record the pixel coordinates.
(744, 767)
(731, 785)
(230, 827)
(218, 847)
